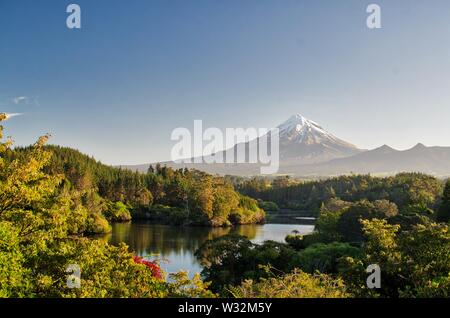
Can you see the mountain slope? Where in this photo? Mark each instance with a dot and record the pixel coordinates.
(383, 160)
(304, 141)
(307, 149)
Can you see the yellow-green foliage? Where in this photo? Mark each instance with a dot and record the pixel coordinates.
(294, 285)
(183, 286)
(414, 263)
(117, 212)
(13, 276)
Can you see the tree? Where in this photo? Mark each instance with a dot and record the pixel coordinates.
(444, 210)
(349, 224)
(324, 257)
(221, 259)
(326, 229)
(414, 263)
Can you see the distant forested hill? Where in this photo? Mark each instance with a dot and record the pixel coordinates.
(406, 190)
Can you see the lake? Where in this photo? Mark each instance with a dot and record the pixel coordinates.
(175, 246)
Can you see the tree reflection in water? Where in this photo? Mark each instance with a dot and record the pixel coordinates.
(175, 246)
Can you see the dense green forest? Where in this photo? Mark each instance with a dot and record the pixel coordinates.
(163, 195)
(409, 191)
(52, 197)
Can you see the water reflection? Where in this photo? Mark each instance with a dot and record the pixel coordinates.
(177, 245)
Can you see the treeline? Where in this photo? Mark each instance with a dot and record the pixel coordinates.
(406, 190)
(164, 195)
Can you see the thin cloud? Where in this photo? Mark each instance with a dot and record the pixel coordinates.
(25, 100)
(20, 99)
(11, 115)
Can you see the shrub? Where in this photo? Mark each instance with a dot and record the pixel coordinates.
(268, 206)
(117, 212)
(294, 285)
(324, 257)
(97, 224)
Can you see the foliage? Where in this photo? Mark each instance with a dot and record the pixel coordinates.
(164, 214)
(154, 267)
(339, 221)
(404, 189)
(294, 285)
(268, 206)
(247, 212)
(39, 215)
(326, 229)
(296, 241)
(231, 259)
(182, 286)
(207, 200)
(224, 260)
(106, 271)
(117, 212)
(50, 197)
(414, 263)
(324, 257)
(13, 275)
(349, 225)
(444, 209)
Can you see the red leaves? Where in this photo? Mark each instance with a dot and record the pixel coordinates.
(154, 267)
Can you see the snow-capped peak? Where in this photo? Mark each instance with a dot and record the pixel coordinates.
(297, 125)
(300, 130)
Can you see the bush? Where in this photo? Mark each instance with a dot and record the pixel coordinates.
(13, 276)
(247, 212)
(117, 212)
(324, 257)
(166, 215)
(349, 224)
(97, 224)
(268, 206)
(443, 214)
(295, 285)
(414, 263)
(296, 241)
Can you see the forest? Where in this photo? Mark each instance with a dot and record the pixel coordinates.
(410, 191)
(163, 195)
(52, 199)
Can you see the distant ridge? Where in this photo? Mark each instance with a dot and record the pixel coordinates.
(307, 149)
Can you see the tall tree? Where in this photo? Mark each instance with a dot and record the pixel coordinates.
(444, 210)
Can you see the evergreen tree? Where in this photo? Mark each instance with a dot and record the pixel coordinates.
(444, 210)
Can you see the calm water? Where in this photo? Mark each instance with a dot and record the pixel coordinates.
(176, 245)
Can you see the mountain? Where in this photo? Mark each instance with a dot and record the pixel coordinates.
(307, 149)
(303, 141)
(384, 160)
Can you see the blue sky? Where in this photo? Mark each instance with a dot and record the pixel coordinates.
(138, 69)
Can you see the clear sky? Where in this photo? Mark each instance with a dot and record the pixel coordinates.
(138, 69)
